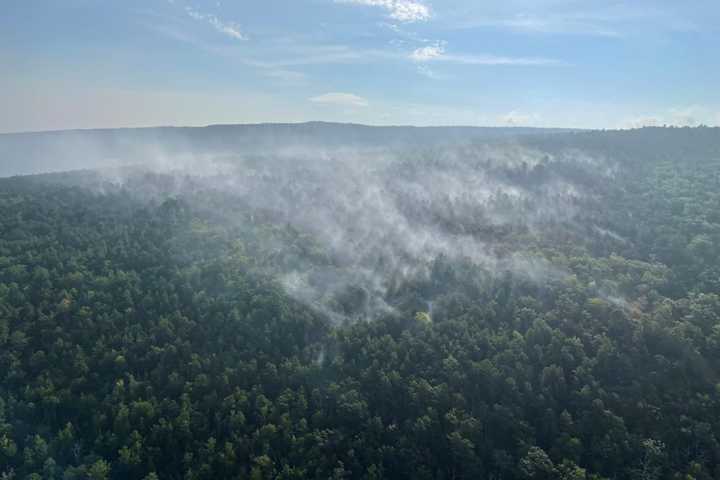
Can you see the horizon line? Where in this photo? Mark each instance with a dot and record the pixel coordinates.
(349, 124)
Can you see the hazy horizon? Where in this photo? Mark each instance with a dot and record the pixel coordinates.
(308, 122)
(372, 125)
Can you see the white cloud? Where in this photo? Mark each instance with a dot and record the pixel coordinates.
(436, 53)
(515, 118)
(226, 28)
(430, 52)
(400, 10)
(230, 30)
(341, 99)
(689, 116)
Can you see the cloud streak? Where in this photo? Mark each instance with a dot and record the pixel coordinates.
(436, 53)
(430, 52)
(340, 99)
(229, 29)
(561, 25)
(407, 11)
(688, 116)
(515, 118)
(606, 19)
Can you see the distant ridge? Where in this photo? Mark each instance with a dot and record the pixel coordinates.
(60, 150)
(319, 124)
(63, 150)
(310, 124)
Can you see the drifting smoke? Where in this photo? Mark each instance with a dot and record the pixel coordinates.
(608, 233)
(379, 216)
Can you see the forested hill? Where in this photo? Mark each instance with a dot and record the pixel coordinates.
(39, 152)
(535, 307)
(649, 144)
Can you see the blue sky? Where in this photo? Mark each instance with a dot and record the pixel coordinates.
(569, 63)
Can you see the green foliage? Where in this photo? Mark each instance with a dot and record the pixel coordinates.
(145, 339)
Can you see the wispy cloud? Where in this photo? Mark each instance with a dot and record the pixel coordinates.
(605, 19)
(400, 10)
(498, 60)
(340, 99)
(515, 118)
(689, 116)
(436, 53)
(230, 29)
(303, 55)
(278, 59)
(277, 71)
(285, 76)
(281, 61)
(427, 53)
(550, 24)
(427, 72)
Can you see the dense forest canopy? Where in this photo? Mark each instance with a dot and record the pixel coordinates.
(516, 305)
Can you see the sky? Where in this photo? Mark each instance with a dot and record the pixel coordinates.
(69, 64)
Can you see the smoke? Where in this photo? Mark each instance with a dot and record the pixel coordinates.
(371, 218)
(609, 233)
(382, 217)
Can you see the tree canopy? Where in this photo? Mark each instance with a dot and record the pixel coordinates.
(147, 336)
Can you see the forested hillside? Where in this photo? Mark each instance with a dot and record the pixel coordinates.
(542, 307)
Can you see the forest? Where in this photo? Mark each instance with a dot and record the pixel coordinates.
(541, 305)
